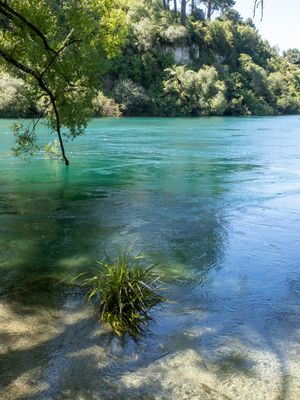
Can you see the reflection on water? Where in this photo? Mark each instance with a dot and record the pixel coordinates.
(215, 201)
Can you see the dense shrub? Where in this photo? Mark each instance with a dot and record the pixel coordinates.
(292, 55)
(174, 34)
(132, 98)
(144, 32)
(232, 15)
(194, 93)
(106, 107)
(12, 97)
(286, 90)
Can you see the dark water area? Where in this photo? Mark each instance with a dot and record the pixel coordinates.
(216, 201)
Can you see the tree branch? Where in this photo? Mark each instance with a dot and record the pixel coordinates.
(12, 14)
(18, 64)
(258, 3)
(58, 130)
(35, 122)
(67, 42)
(10, 59)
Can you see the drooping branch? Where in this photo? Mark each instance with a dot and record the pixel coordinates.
(58, 126)
(257, 4)
(11, 14)
(18, 18)
(60, 51)
(10, 59)
(37, 120)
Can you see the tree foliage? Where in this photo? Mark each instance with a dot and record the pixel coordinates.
(167, 62)
(189, 92)
(13, 99)
(105, 106)
(217, 5)
(292, 55)
(166, 69)
(60, 48)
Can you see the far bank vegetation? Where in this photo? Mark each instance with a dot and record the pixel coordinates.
(185, 59)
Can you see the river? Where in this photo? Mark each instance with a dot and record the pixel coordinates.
(215, 201)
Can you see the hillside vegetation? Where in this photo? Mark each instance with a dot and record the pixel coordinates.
(199, 67)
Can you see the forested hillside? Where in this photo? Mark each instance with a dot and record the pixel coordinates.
(187, 58)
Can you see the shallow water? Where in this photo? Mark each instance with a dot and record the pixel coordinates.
(215, 200)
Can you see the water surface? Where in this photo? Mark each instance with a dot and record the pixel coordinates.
(215, 200)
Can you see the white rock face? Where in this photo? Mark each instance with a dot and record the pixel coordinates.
(182, 54)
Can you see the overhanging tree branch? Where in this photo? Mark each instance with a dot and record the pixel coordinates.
(60, 51)
(18, 18)
(10, 59)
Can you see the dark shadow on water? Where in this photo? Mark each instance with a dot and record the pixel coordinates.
(233, 363)
(82, 362)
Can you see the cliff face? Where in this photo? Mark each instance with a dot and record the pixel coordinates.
(184, 54)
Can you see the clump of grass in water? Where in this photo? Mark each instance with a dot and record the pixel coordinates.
(123, 291)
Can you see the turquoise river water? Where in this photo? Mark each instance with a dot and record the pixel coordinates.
(216, 201)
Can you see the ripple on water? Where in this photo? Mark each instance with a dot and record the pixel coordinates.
(216, 201)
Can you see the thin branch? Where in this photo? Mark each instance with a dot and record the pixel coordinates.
(10, 13)
(44, 87)
(19, 65)
(257, 4)
(58, 130)
(67, 42)
(35, 122)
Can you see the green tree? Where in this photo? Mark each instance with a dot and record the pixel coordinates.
(106, 107)
(292, 55)
(217, 5)
(13, 99)
(232, 15)
(194, 93)
(59, 48)
(132, 98)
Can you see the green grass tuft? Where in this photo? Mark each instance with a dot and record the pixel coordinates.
(123, 291)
